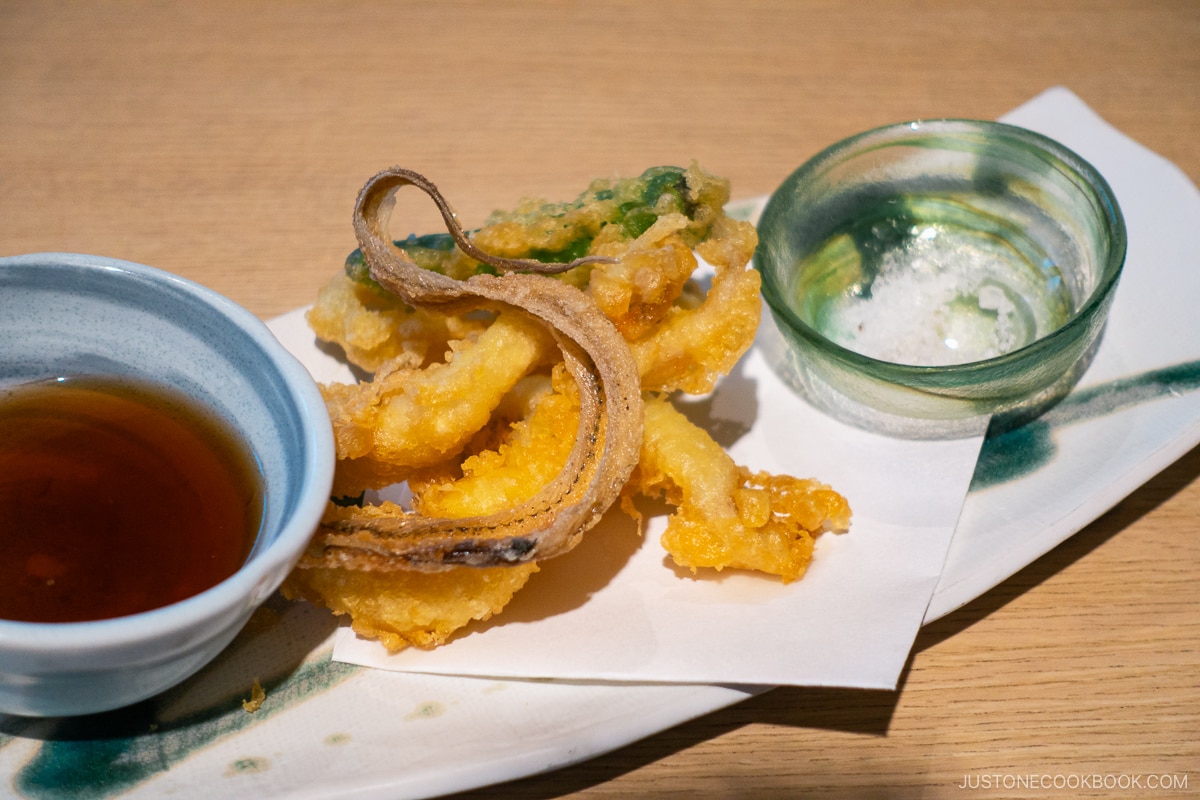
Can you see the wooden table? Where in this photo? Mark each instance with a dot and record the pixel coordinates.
(225, 141)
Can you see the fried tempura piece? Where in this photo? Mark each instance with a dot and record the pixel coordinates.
(727, 516)
(374, 328)
(606, 441)
(405, 607)
(402, 608)
(665, 211)
(609, 211)
(681, 340)
(257, 697)
(694, 346)
(531, 454)
(407, 418)
(637, 291)
(638, 240)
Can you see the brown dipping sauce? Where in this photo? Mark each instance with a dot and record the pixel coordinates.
(117, 497)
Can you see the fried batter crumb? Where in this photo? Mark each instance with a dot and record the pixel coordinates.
(255, 701)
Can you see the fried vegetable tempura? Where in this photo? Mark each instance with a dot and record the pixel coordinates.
(514, 405)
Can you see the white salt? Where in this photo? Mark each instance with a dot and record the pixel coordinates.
(944, 296)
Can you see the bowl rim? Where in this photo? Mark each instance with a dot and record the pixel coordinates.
(243, 591)
(914, 374)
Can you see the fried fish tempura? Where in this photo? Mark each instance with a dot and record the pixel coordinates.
(532, 451)
(374, 328)
(521, 430)
(691, 347)
(727, 516)
(411, 607)
(606, 441)
(421, 608)
(408, 417)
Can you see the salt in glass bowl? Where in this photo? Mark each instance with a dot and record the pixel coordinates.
(927, 276)
(68, 314)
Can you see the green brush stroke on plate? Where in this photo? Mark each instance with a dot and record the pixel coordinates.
(103, 755)
(1016, 453)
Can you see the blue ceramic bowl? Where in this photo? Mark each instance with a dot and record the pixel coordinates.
(65, 314)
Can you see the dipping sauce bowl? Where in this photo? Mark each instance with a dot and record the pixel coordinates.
(69, 319)
(927, 275)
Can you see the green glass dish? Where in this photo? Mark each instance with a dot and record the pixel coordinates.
(925, 275)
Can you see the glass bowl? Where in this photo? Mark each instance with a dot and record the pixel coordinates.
(929, 275)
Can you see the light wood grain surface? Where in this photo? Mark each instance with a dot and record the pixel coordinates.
(225, 141)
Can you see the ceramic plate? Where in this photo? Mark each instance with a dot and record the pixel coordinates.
(329, 730)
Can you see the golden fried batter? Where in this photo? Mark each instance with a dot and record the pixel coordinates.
(410, 608)
(637, 291)
(408, 417)
(403, 608)
(532, 452)
(374, 328)
(490, 432)
(727, 516)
